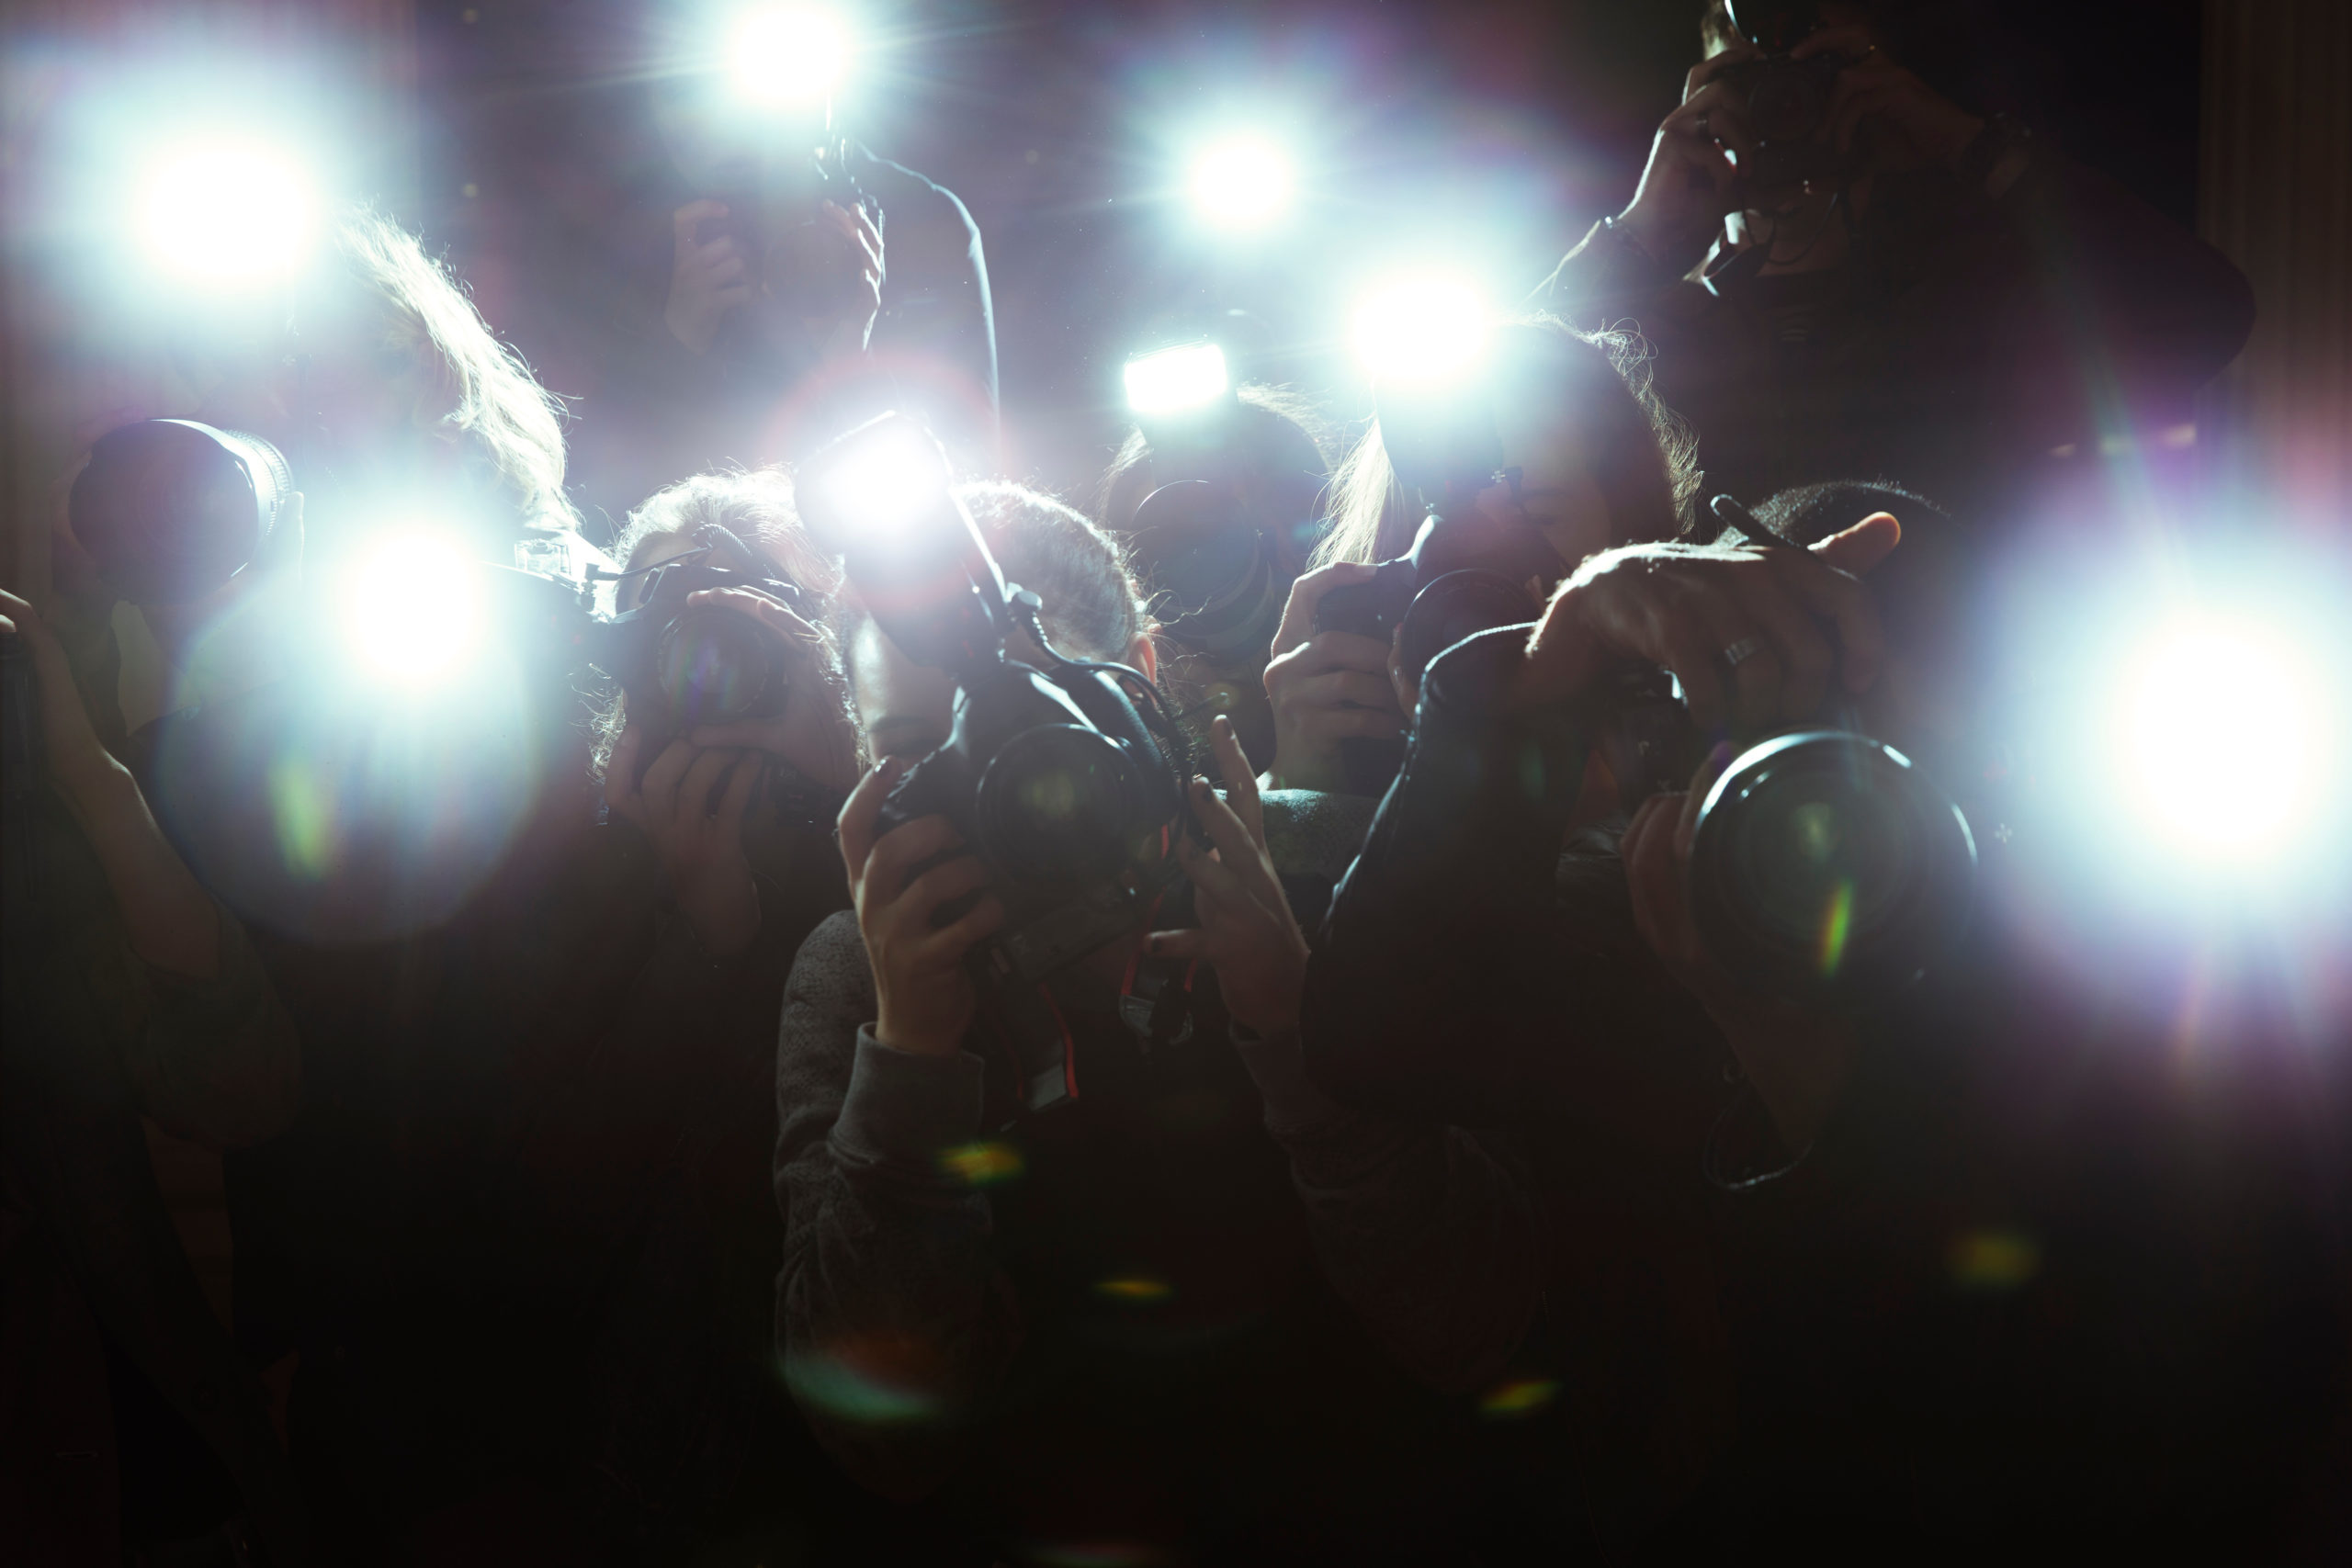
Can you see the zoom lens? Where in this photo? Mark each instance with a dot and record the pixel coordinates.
(713, 666)
(1827, 866)
(170, 510)
(1058, 805)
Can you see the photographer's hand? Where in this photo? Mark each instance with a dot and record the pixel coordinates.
(705, 280)
(1691, 609)
(168, 918)
(1924, 126)
(814, 732)
(701, 846)
(1247, 933)
(1325, 687)
(923, 998)
(1797, 1060)
(1689, 182)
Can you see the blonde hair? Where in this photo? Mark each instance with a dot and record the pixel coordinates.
(493, 405)
(1647, 472)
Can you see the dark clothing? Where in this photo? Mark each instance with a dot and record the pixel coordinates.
(660, 413)
(1102, 1324)
(1984, 1306)
(127, 1417)
(1962, 342)
(520, 1236)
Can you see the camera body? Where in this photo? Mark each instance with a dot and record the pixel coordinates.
(1220, 573)
(1067, 789)
(683, 665)
(1785, 100)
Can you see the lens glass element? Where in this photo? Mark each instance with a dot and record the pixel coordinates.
(1055, 806)
(712, 666)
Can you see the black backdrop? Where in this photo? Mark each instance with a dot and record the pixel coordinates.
(1495, 128)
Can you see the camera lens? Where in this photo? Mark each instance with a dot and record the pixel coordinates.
(712, 666)
(170, 510)
(1787, 104)
(1826, 864)
(1056, 804)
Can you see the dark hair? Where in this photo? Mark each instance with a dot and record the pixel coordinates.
(1092, 606)
(1927, 588)
(1276, 429)
(1648, 475)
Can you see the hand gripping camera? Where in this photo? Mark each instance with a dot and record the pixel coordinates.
(1787, 101)
(1066, 782)
(794, 256)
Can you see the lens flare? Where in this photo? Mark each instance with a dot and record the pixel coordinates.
(1241, 182)
(787, 56)
(2221, 740)
(1425, 331)
(890, 476)
(1186, 376)
(414, 611)
(225, 211)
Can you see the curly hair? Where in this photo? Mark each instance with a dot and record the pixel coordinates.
(1649, 476)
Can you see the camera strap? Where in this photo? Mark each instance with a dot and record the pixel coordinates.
(1156, 993)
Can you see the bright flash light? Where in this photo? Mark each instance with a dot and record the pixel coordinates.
(787, 56)
(414, 609)
(1425, 332)
(1172, 379)
(889, 478)
(2224, 741)
(1242, 182)
(225, 211)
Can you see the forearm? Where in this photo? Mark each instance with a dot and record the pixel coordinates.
(888, 1316)
(169, 920)
(1608, 268)
(1425, 1232)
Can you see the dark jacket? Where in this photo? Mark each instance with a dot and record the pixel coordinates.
(1973, 1307)
(1103, 1323)
(91, 1271)
(1962, 342)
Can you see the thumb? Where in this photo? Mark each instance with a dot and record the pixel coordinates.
(1863, 546)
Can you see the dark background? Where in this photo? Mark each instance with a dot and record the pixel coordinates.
(1480, 131)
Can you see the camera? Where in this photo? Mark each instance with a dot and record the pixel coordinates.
(810, 268)
(171, 509)
(1220, 572)
(683, 665)
(1786, 101)
(1066, 782)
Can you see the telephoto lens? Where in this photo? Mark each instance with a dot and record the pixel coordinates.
(1828, 869)
(170, 510)
(1217, 571)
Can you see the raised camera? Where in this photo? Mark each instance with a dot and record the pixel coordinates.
(171, 509)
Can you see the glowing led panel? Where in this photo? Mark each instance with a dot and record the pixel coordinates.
(413, 610)
(786, 56)
(225, 211)
(1185, 377)
(1427, 331)
(1242, 182)
(2221, 742)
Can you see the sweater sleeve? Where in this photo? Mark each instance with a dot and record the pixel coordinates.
(891, 1319)
(1428, 1232)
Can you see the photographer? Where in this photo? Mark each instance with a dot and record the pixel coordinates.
(1599, 462)
(1100, 1323)
(131, 994)
(1267, 465)
(1874, 278)
(1849, 1275)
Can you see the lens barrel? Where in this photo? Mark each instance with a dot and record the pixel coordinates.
(714, 666)
(1059, 804)
(170, 509)
(1827, 868)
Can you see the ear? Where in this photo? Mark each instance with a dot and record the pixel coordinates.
(1863, 546)
(1144, 653)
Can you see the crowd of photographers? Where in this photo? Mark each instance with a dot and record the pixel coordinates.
(889, 1019)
